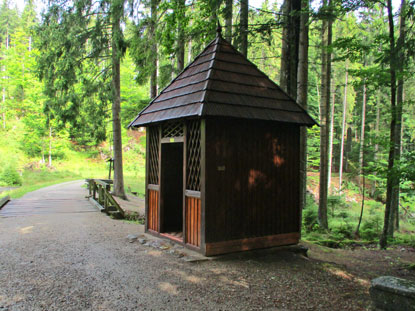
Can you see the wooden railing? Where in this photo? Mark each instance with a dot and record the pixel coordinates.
(4, 200)
(99, 191)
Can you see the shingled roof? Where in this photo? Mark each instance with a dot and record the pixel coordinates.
(222, 82)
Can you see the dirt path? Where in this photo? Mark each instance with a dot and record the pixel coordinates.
(60, 254)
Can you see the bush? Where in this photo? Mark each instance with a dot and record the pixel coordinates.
(10, 177)
(404, 239)
(335, 202)
(310, 216)
(342, 231)
(371, 228)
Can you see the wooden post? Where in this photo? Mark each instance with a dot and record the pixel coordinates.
(147, 172)
(202, 184)
(184, 179)
(160, 201)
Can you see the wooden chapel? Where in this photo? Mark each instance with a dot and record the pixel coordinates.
(222, 158)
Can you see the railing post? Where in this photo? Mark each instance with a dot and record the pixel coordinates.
(105, 199)
(99, 194)
(94, 190)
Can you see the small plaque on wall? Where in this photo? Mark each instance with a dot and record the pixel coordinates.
(221, 168)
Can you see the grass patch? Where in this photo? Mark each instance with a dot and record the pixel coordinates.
(37, 179)
(135, 184)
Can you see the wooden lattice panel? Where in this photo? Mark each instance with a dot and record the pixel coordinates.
(153, 156)
(193, 156)
(172, 129)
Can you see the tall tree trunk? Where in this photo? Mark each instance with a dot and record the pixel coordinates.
(180, 37)
(356, 233)
(173, 63)
(243, 28)
(228, 20)
(117, 10)
(285, 49)
(392, 178)
(399, 108)
(5, 78)
(189, 45)
(50, 147)
(318, 97)
(362, 129)
(154, 48)
(214, 6)
(42, 160)
(331, 134)
(326, 37)
(4, 107)
(375, 156)
(302, 92)
(346, 79)
(290, 46)
(348, 147)
(402, 123)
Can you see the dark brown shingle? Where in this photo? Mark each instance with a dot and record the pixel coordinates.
(222, 82)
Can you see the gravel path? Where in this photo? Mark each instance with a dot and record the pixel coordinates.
(61, 254)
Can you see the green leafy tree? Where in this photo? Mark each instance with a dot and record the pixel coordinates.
(70, 35)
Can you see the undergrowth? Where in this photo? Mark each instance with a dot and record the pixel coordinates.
(343, 218)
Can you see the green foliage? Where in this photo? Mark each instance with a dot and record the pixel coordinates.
(335, 202)
(342, 231)
(310, 217)
(371, 228)
(9, 176)
(404, 239)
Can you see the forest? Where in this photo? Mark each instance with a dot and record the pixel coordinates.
(74, 74)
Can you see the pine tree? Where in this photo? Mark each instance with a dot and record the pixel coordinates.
(72, 34)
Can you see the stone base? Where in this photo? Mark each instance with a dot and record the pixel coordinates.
(391, 293)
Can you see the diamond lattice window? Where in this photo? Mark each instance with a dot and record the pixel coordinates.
(153, 157)
(193, 156)
(172, 129)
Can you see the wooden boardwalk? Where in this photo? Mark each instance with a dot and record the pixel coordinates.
(63, 198)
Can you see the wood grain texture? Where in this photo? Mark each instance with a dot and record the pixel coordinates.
(251, 243)
(193, 220)
(252, 179)
(153, 210)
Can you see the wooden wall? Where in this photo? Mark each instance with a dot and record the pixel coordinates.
(153, 210)
(252, 180)
(193, 221)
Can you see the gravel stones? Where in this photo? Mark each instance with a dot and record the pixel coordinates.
(76, 260)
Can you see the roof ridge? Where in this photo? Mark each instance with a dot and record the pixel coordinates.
(204, 99)
(172, 81)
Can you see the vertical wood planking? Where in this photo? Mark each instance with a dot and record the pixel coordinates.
(193, 214)
(253, 178)
(152, 220)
